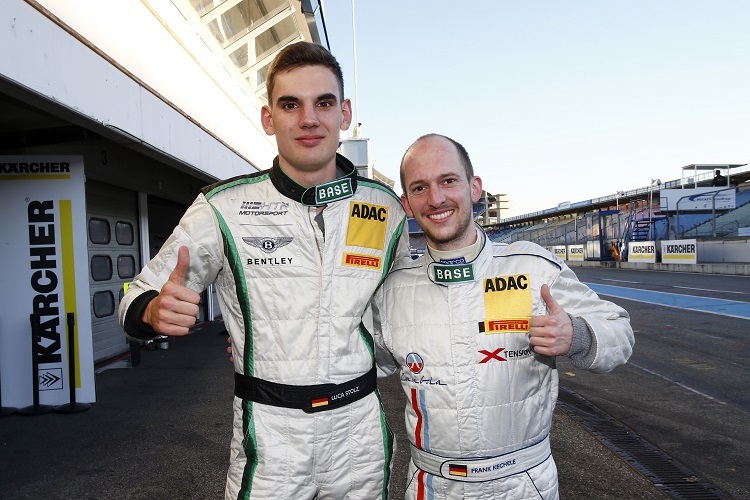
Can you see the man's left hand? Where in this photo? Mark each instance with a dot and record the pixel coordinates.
(552, 334)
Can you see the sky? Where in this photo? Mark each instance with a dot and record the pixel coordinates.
(554, 100)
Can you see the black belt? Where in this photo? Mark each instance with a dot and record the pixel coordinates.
(309, 398)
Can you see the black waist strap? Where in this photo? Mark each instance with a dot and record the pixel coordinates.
(309, 398)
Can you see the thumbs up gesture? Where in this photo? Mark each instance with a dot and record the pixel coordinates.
(174, 310)
(552, 334)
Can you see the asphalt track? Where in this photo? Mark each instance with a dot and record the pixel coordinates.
(677, 428)
(686, 388)
(735, 309)
(161, 431)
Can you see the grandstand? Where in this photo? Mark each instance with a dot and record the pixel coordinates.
(605, 225)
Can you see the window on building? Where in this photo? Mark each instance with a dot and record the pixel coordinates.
(126, 266)
(124, 233)
(104, 304)
(101, 267)
(99, 231)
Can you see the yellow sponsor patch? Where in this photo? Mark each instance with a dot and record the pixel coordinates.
(507, 301)
(359, 260)
(367, 224)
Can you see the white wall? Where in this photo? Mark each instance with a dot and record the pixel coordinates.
(728, 250)
(41, 56)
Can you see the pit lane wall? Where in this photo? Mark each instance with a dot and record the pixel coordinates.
(726, 256)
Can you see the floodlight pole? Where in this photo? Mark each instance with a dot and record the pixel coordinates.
(354, 47)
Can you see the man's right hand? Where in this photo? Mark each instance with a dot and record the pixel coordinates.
(175, 309)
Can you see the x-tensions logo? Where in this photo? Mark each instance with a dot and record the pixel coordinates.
(514, 325)
(508, 355)
(492, 355)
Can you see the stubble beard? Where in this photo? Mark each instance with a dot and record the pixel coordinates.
(435, 239)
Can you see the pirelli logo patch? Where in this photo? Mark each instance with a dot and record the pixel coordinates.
(359, 260)
(507, 304)
(518, 325)
(367, 225)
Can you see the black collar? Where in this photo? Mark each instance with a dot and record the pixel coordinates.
(307, 196)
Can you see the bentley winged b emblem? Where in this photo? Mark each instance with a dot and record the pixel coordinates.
(268, 245)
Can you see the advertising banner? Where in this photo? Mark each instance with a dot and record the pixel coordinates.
(575, 252)
(560, 251)
(697, 199)
(679, 252)
(642, 251)
(45, 270)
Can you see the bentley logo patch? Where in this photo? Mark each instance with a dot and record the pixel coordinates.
(268, 245)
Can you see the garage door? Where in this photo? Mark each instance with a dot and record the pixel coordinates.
(113, 250)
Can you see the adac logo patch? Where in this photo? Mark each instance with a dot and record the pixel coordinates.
(507, 304)
(367, 225)
(365, 261)
(414, 362)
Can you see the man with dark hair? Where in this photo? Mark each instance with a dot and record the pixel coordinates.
(296, 253)
(474, 328)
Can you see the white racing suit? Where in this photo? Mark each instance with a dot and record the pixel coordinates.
(480, 400)
(292, 294)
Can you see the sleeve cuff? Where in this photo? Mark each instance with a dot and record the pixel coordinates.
(583, 347)
(133, 325)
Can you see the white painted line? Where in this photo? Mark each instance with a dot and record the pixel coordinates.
(706, 289)
(620, 281)
(677, 383)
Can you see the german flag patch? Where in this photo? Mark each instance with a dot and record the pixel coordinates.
(457, 470)
(317, 403)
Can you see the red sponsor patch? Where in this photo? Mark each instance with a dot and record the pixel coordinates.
(513, 325)
(359, 260)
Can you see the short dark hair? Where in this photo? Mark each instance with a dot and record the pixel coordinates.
(463, 155)
(302, 54)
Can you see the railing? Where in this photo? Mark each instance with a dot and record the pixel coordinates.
(673, 184)
(730, 228)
